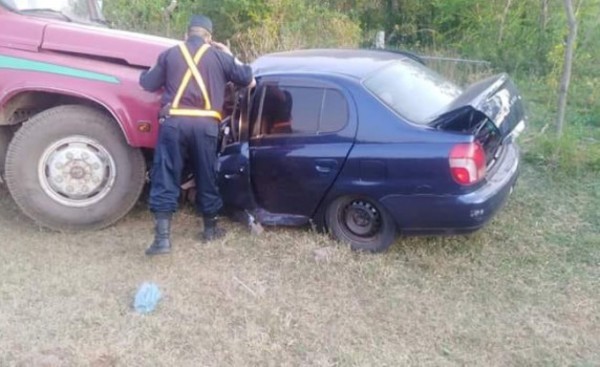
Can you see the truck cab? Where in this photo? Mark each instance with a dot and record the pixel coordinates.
(74, 123)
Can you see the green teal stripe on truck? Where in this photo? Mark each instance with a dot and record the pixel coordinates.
(16, 63)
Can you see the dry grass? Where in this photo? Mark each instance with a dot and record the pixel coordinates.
(524, 291)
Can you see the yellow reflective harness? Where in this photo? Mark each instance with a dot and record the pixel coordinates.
(207, 111)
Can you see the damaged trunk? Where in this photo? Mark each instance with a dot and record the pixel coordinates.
(491, 110)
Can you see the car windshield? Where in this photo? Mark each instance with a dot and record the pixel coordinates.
(412, 90)
(81, 11)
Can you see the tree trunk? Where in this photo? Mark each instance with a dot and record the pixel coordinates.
(503, 21)
(567, 66)
(544, 15)
(167, 13)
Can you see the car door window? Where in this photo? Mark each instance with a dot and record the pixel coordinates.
(297, 110)
(291, 110)
(334, 115)
(256, 106)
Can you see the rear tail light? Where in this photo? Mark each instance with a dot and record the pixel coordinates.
(467, 163)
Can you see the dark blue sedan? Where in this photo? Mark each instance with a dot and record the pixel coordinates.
(368, 144)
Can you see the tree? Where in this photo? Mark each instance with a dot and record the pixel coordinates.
(567, 66)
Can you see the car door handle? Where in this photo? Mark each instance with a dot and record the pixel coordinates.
(232, 175)
(325, 165)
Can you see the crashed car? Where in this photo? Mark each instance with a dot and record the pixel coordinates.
(369, 144)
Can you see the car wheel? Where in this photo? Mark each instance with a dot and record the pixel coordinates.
(360, 222)
(70, 168)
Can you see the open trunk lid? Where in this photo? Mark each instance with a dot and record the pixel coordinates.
(491, 109)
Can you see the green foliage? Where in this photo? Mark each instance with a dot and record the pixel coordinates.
(253, 27)
(585, 91)
(515, 35)
(576, 153)
(569, 156)
(139, 15)
(283, 30)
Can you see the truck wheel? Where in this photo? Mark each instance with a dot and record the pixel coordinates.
(5, 135)
(70, 168)
(360, 222)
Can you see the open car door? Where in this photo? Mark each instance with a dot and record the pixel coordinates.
(234, 163)
(301, 132)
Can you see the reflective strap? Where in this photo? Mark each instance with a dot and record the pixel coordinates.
(194, 113)
(192, 70)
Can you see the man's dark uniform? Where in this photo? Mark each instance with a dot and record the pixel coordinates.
(190, 126)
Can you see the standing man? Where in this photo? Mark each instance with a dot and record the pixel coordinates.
(194, 75)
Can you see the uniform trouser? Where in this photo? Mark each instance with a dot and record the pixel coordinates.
(182, 140)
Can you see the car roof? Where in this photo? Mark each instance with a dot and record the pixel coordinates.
(356, 63)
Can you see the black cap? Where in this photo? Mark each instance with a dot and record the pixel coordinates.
(201, 21)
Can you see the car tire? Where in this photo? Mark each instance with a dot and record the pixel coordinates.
(360, 222)
(70, 168)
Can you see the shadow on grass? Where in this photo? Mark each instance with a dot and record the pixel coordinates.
(10, 214)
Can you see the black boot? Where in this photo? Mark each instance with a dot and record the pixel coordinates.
(211, 231)
(162, 231)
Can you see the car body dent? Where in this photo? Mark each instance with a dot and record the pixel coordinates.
(134, 49)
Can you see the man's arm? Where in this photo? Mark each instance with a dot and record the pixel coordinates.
(153, 79)
(236, 71)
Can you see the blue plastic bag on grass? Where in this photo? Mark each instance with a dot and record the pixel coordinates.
(146, 298)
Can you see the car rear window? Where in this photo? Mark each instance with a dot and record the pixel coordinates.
(414, 91)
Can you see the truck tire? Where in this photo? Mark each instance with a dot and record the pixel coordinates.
(70, 168)
(5, 134)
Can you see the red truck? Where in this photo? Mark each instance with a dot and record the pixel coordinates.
(76, 130)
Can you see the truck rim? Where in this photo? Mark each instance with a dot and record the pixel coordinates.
(76, 171)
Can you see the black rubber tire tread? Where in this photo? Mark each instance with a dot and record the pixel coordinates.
(28, 145)
(5, 135)
(380, 243)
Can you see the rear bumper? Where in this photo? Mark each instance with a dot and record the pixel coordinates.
(434, 214)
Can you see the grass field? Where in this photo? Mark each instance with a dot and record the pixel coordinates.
(525, 291)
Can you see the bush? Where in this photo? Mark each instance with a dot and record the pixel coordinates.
(252, 27)
(570, 155)
(577, 152)
(284, 30)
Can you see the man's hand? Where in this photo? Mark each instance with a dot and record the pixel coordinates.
(252, 83)
(221, 47)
